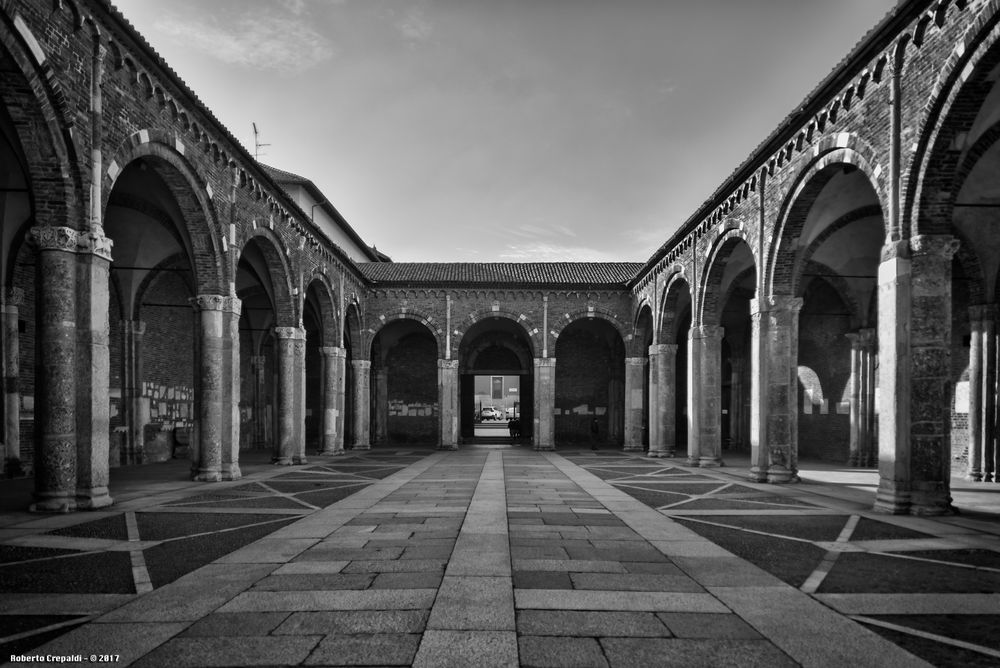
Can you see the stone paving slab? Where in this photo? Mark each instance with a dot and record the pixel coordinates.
(461, 649)
(636, 601)
(589, 623)
(226, 651)
(291, 601)
(351, 621)
(715, 653)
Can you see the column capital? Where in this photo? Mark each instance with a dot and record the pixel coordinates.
(706, 332)
(942, 246)
(46, 237)
(776, 303)
(333, 351)
(134, 326)
(294, 333)
(897, 249)
(232, 305)
(207, 302)
(361, 364)
(635, 361)
(980, 312)
(545, 361)
(13, 297)
(95, 243)
(448, 364)
(663, 349)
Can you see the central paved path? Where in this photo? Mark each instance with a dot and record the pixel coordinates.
(482, 558)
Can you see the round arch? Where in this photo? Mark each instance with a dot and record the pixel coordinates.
(279, 274)
(198, 233)
(781, 266)
(709, 301)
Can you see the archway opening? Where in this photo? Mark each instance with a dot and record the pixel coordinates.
(153, 375)
(590, 384)
(258, 362)
(406, 407)
(496, 371)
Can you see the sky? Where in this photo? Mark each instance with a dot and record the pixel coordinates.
(506, 130)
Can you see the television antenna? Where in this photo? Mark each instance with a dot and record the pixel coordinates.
(256, 142)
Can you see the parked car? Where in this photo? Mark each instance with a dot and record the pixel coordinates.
(490, 413)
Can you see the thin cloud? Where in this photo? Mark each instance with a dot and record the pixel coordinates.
(266, 41)
(414, 25)
(545, 252)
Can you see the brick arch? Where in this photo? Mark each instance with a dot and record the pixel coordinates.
(406, 313)
(805, 258)
(844, 149)
(711, 277)
(668, 317)
(200, 235)
(638, 346)
(55, 185)
(173, 262)
(951, 108)
(280, 270)
(597, 314)
(353, 337)
(532, 333)
(327, 304)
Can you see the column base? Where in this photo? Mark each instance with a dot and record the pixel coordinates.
(60, 502)
(781, 475)
(283, 461)
(447, 447)
(757, 474)
(299, 459)
(660, 453)
(891, 500)
(209, 475)
(633, 448)
(362, 447)
(692, 461)
(332, 453)
(934, 501)
(92, 499)
(544, 448)
(974, 476)
(231, 472)
(710, 462)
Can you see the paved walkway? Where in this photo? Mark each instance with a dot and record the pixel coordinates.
(504, 557)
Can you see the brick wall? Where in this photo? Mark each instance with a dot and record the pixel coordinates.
(412, 390)
(589, 377)
(168, 350)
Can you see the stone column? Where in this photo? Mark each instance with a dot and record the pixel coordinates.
(914, 334)
(381, 417)
(774, 389)
(134, 417)
(448, 400)
(635, 389)
(705, 396)
(362, 404)
(231, 307)
(544, 427)
(663, 400)
(210, 395)
(975, 467)
(737, 433)
(868, 452)
(258, 366)
(285, 339)
(989, 393)
(333, 400)
(93, 371)
(55, 369)
(299, 452)
(13, 298)
(854, 451)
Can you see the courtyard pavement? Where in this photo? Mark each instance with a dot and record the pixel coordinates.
(499, 556)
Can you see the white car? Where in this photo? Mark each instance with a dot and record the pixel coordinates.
(490, 413)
